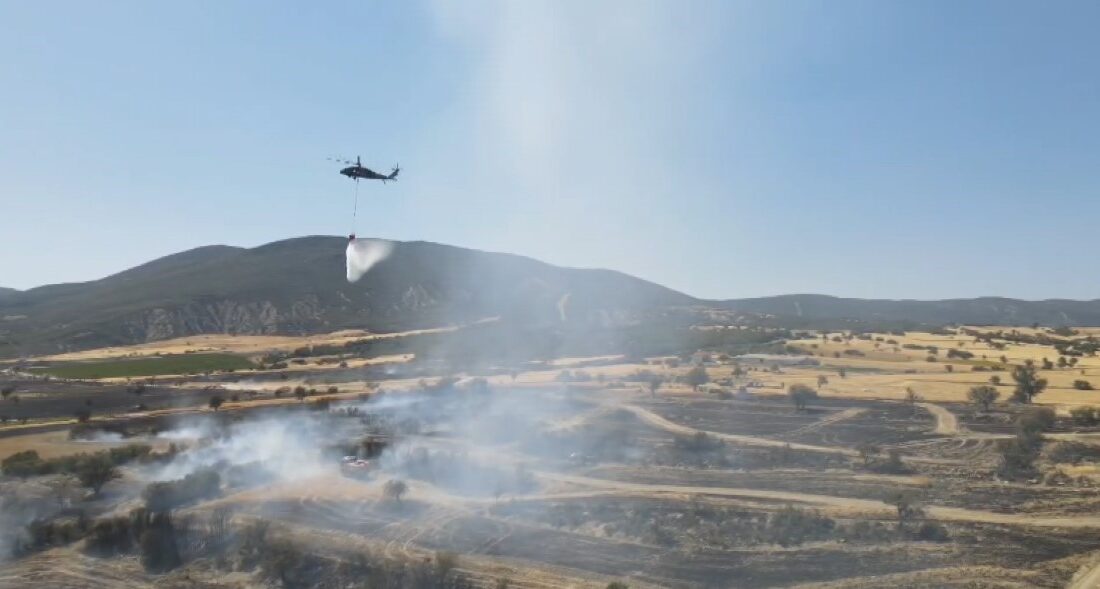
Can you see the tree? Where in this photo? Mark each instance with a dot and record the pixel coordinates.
(1018, 455)
(983, 396)
(995, 380)
(1047, 364)
(82, 415)
(1062, 363)
(7, 391)
(801, 395)
(1028, 383)
(842, 372)
(822, 380)
(867, 451)
(445, 562)
(300, 393)
(394, 489)
(950, 367)
(1035, 421)
(1082, 385)
(159, 552)
(907, 507)
(655, 383)
(216, 402)
(912, 398)
(95, 471)
(697, 377)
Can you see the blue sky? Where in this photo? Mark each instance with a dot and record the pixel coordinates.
(726, 149)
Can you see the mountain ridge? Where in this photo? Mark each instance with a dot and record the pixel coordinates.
(297, 286)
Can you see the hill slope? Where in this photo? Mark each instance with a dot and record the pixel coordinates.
(298, 286)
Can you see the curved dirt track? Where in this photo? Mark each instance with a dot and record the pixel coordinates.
(835, 418)
(840, 504)
(324, 487)
(1087, 579)
(670, 426)
(947, 423)
(660, 422)
(977, 576)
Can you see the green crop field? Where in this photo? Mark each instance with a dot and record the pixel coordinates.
(152, 366)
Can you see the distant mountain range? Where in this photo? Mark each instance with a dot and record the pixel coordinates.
(297, 286)
(977, 311)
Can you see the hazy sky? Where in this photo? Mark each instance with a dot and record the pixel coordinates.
(876, 149)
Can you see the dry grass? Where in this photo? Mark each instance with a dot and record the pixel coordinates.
(233, 344)
(57, 443)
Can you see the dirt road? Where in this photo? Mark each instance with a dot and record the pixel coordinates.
(947, 424)
(847, 505)
(660, 422)
(1087, 579)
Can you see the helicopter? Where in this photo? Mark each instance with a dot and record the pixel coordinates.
(356, 171)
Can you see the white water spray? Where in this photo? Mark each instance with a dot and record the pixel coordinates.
(363, 254)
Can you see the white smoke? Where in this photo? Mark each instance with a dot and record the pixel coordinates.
(363, 254)
(286, 447)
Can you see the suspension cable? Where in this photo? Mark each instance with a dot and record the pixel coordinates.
(355, 209)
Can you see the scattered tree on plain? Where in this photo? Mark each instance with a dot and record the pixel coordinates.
(655, 383)
(983, 396)
(95, 471)
(395, 489)
(1028, 382)
(907, 508)
(867, 452)
(697, 377)
(801, 395)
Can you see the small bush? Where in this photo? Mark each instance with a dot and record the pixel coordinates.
(1083, 415)
(931, 532)
(791, 527)
(110, 537)
(1072, 453)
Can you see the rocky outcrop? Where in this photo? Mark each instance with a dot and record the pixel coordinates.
(225, 316)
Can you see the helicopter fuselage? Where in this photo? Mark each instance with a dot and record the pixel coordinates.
(359, 172)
